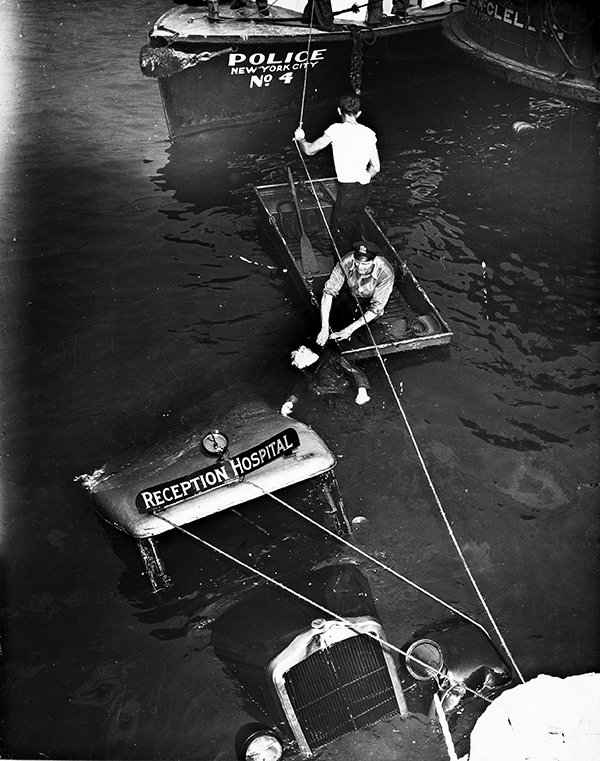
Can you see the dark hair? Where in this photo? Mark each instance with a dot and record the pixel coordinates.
(350, 104)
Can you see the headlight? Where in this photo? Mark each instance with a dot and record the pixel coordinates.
(262, 745)
(424, 659)
(451, 697)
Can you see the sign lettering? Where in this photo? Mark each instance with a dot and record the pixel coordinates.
(486, 10)
(261, 67)
(157, 498)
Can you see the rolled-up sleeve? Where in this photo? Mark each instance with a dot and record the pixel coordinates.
(383, 290)
(335, 281)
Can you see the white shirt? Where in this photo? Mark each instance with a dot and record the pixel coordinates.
(352, 146)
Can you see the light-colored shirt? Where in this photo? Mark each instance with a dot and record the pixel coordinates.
(377, 285)
(352, 146)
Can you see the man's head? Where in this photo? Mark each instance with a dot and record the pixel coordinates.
(364, 254)
(303, 357)
(349, 105)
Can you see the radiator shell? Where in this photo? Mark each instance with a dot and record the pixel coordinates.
(316, 677)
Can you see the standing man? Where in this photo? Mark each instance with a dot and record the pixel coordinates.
(356, 162)
(361, 285)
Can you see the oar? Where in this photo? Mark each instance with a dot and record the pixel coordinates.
(309, 260)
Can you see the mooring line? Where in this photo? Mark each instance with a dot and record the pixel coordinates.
(383, 642)
(335, 248)
(419, 454)
(310, 30)
(369, 557)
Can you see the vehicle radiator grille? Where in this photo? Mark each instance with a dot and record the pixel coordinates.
(340, 689)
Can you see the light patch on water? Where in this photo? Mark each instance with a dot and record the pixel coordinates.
(57, 538)
(533, 486)
(445, 454)
(478, 555)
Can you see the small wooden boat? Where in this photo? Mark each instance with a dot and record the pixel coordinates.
(410, 320)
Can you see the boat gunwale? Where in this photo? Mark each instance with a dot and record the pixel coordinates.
(273, 27)
(343, 35)
(385, 347)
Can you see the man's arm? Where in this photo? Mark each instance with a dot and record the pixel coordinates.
(326, 302)
(379, 300)
(374, 167)
(331, 289)
(345, 333)
(383, 291)
(311, 148)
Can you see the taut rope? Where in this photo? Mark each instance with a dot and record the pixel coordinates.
(417, 448)
(384, 643)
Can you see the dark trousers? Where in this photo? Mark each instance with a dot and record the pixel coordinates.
(321, 15)
(375, 12)
(348, 210)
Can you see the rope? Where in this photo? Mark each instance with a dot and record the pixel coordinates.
(356, 60)
(164, 62)
(420, 456)
(310, 31)
(551, 22)
(371, 558)
(356, 84)
(384, 643)
(550, 10)
(545, 16)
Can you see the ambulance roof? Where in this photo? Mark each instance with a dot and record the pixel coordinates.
(179, 480)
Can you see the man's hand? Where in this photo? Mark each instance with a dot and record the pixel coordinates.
(299, 134)
(286, 409)
(288, 405)
(323, 336)
(342, 335)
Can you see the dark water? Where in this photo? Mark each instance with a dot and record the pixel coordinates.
(135, 284)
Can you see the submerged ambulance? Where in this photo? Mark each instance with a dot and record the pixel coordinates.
(247, 452)
(312, 654)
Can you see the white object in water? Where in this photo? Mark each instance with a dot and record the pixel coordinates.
(520, 127)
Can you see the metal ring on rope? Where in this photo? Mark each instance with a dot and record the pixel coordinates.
(373, 35)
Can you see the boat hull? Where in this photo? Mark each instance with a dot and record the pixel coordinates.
(262, 79)
(242, 71)
(532, 50)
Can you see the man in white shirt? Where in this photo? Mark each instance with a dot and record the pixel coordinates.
(356, 162)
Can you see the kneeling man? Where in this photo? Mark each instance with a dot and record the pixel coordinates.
(360, 285)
